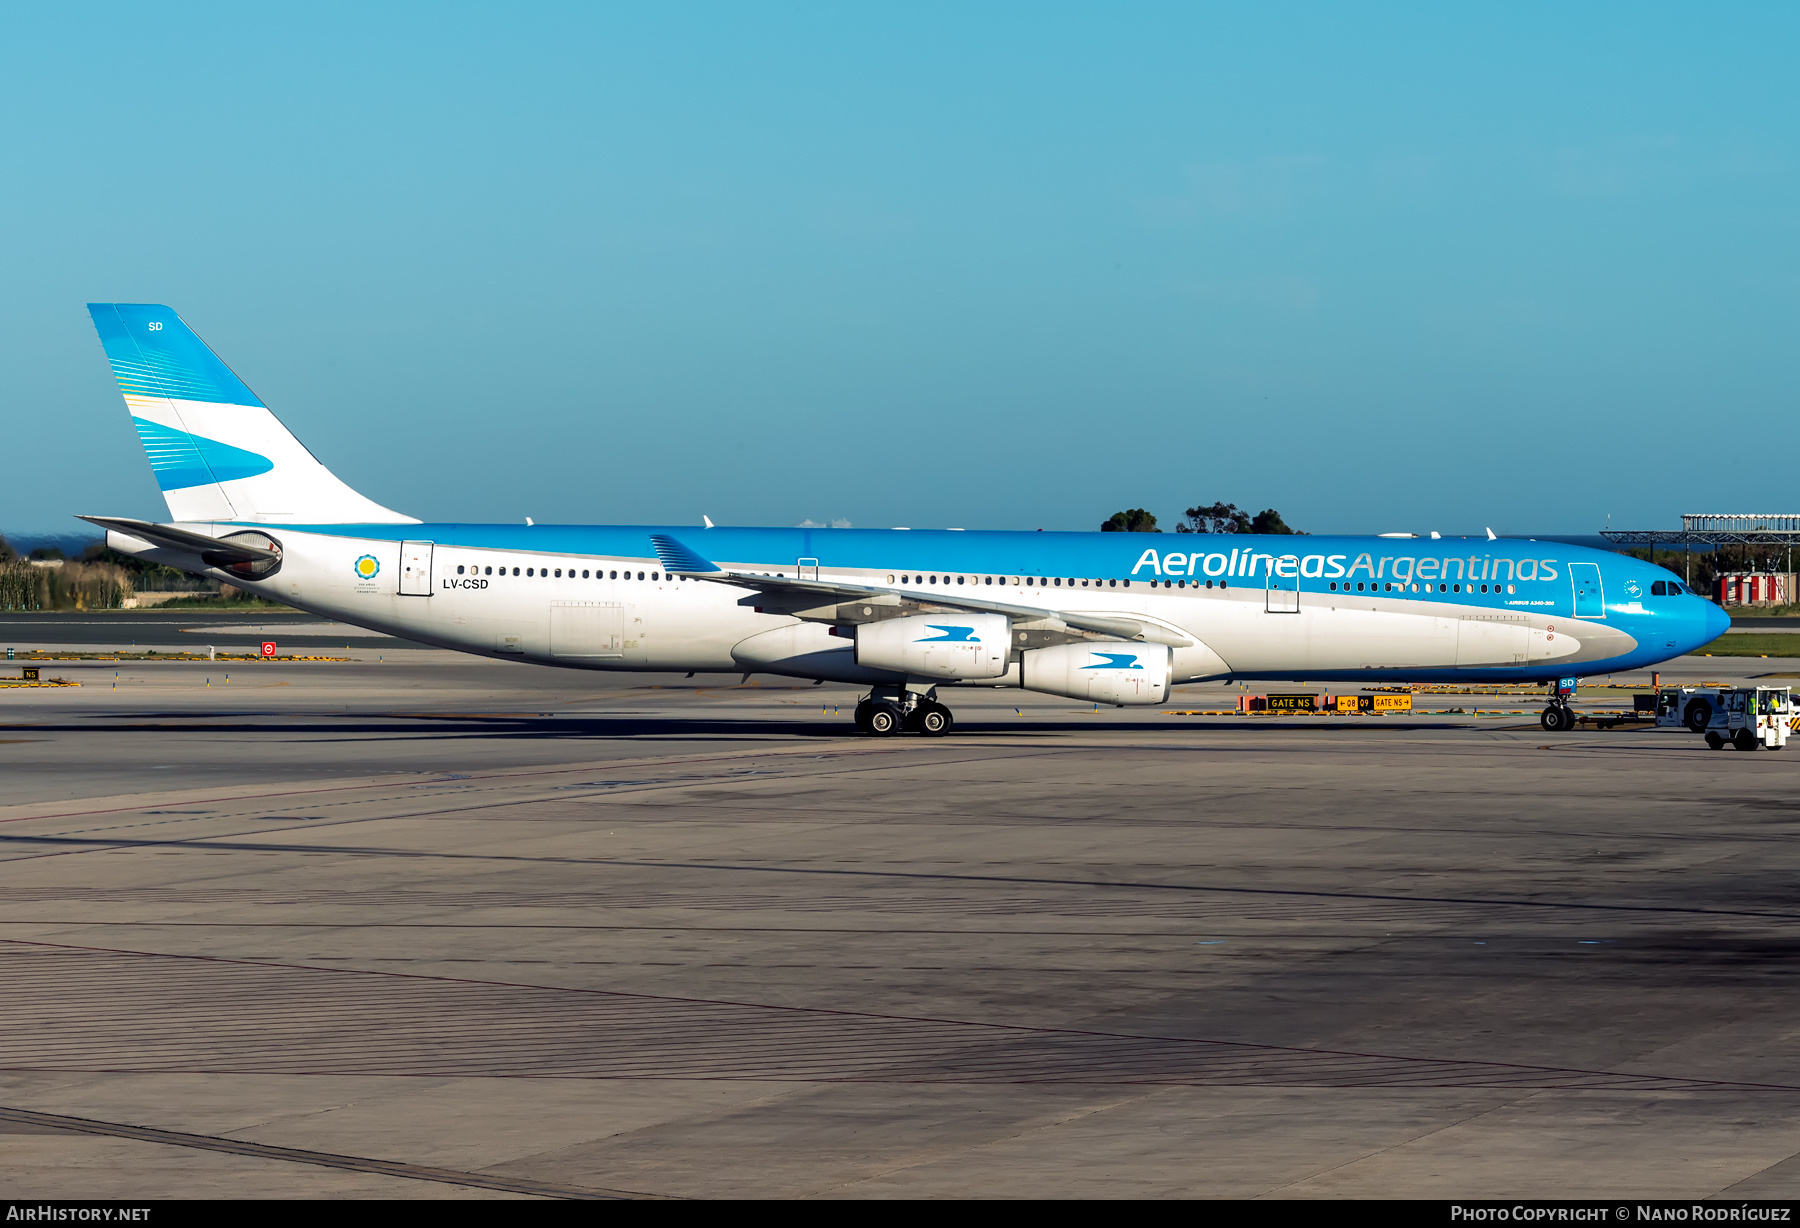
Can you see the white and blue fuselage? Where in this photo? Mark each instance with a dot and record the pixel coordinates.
(1367, 609)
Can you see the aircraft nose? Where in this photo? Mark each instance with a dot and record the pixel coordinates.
(1714, 623)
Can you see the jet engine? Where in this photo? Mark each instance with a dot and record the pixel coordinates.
(1105, 672)
(936, 645)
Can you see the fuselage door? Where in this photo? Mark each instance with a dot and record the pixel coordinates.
(1590, 600)
(807, 569)
(587, 629)
(415, 569)
(1283, 590)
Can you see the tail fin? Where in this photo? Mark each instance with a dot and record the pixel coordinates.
(217, 451)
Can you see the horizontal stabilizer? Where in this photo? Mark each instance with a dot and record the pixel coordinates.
(678, 558)
(211, 549)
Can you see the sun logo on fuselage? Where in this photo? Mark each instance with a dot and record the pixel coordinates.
(367, 567)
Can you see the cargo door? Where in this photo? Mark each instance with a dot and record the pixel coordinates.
(1590, 600)
(1492, 639)
(415, 569)
(587, 629)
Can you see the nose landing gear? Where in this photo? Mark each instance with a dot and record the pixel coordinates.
(889, 710)
(1557, 718)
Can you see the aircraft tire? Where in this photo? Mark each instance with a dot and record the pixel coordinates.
(1715, 742)
(884, 720)
(1699, 715)
(1554, 719)
(934, 719)
(862, 716)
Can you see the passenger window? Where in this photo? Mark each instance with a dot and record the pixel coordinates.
(459, 569)
(640, 575)
(559, 573)
(584, 572)
(490, 571)
(614, 576)
(515, 571)
(528, 571)
(653, 575)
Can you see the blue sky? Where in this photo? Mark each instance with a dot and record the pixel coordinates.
(1009, 266)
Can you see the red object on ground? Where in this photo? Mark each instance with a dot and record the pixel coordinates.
(268, 648)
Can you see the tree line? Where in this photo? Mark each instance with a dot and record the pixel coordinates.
(100, 579)
(1211, 518)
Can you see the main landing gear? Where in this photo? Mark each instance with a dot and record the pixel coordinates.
(892, 709)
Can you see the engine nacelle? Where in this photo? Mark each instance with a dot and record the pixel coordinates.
(937, 645)
(1107, 673)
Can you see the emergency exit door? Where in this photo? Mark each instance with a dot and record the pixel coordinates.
(1284, 591)
(1590, 599)
(415, 569)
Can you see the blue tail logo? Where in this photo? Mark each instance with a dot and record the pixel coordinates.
(1116, 660)
(181, 460)
(952, 635)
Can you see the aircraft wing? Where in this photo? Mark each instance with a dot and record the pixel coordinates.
(682, 561)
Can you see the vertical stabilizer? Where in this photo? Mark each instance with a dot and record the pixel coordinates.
(217, 451)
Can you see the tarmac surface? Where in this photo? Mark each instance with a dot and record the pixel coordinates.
(420, 925)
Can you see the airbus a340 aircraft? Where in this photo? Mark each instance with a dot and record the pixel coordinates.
(1116, 618)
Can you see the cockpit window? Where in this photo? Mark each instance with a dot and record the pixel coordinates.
(1659, 589)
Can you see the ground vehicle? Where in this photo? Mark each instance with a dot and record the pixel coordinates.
(1748, 717)
(1685, 708)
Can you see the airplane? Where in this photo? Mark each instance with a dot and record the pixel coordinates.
(1112, 618)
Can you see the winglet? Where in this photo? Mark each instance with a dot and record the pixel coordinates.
(678, 558)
